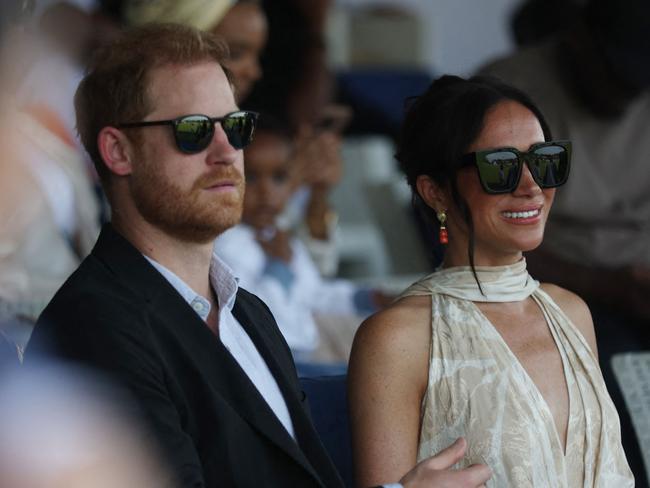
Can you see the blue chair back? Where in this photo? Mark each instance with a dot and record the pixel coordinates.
(328, 401)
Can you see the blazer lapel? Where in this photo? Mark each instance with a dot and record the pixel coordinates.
(226, 375)
(306, 435)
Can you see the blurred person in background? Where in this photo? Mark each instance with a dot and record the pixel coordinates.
(241, 24)
(318, 168)
(67, 32)
(592, 81)
(298, 88)
(48, 205)
(245, 29)
(15, 43)
(297, 84)
(317, 316)
(537, 20)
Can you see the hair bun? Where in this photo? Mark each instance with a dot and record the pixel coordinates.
(444, 81)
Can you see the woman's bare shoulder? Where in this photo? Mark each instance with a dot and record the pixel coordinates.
(575, 308)
(404, 320)
(570, 303)
(399, 335)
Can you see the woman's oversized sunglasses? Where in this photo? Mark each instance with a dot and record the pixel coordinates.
(500, 169)
(193, 133)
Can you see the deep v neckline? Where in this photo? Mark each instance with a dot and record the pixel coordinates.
(478, 388)
(531, 384)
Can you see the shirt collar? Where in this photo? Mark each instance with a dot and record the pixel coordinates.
(223, 281)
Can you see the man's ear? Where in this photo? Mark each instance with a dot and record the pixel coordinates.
(432, 193)
(116, 150)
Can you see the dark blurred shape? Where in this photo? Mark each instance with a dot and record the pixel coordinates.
(112, 9)
(603, 46)
(605, 55)
(328, 403)
(296, 83)
(536, 20)
(621, 31)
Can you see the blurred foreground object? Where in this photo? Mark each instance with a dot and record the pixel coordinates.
(59, 429)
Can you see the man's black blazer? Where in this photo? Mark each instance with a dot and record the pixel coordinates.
(118, 314)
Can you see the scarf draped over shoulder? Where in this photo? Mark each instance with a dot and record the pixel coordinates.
(478, 389)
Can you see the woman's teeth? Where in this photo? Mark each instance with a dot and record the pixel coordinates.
(521, 215)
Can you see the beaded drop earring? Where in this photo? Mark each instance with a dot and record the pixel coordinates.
(443, 236)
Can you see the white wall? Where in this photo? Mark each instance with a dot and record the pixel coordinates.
(460, 35)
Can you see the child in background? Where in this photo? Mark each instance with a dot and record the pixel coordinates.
(277, 267)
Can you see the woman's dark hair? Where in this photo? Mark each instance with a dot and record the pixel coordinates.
(439, 127)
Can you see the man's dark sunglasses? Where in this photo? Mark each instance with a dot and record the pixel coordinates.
(500, 169)
(193, 133)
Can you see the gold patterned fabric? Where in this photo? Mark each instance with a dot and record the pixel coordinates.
(479, 390)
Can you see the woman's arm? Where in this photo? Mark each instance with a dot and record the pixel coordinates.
(387, 378)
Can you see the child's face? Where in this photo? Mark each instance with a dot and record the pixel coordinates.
(268, 188)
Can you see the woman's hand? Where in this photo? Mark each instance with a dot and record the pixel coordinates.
(317, 159)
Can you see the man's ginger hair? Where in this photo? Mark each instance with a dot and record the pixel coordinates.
(114, 90)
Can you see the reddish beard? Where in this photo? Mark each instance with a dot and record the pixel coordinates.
(193, 215)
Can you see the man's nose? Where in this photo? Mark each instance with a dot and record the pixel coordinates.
(220, 150)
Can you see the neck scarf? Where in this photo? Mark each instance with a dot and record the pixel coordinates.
(510, 283)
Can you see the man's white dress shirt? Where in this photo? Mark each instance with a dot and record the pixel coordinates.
(231, 333)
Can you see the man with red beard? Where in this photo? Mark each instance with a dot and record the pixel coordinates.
(154, 307)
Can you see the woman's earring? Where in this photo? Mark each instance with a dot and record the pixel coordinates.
(442, 218)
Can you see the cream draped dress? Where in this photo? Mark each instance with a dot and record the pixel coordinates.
(478, 389)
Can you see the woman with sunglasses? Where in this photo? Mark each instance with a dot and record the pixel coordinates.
(479, 349)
